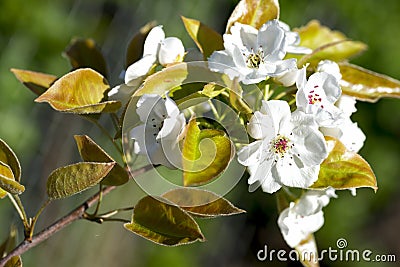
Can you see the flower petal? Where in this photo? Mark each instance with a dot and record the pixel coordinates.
(250, 154)
(151, 106)
(153, 40)
(135, 72)
(171, 51)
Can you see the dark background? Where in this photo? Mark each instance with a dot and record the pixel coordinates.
(33, 35)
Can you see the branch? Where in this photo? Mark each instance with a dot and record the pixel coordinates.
(74, 215)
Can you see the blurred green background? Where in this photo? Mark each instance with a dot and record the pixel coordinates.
(33, 35)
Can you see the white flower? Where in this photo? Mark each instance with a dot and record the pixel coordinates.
(156, 48)
(318, 95)
(288, 150)
(254, 55)
(330, 67)
(305, 216)
(159, 135)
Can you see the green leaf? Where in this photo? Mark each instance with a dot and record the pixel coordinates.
(164, 223)
(206, 154)
(37, 82)
(80, 92)
(8, 157)
(15, 261)
(201, 203)
(92, 152)
(85, 53)
(72, 179)
(206, 39)
(367, 85)
(254, 13)
(135, 47)
(7, 181)
(343, 169)
(11, 241)
(327, 44)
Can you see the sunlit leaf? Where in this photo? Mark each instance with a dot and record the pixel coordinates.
(72, 179)
(327, 44)
(80, 92)
(343, 169)
(206, 154)
(206, 39)
(254, 13)
(37, 82)
(163, 222)
(201, 203)
(135, 47)
(8, 157)
(367, 85)
(15, 261)
(308, 252)
(92, 152)
(7, 181)
(85, 53)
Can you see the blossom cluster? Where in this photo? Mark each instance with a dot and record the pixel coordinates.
(288, 144)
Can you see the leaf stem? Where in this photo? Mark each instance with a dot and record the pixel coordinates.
(16, 201)
(34, 219)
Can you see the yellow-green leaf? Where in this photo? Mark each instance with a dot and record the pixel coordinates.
(201, 203)
(72, 179)
(164, 223)
(81, 92)
(15, 261)
(8, 157)
(135, 47)
(206, 39)
(7, 181)
(206, 154)
(343, 169)
(254, 13)
(85, 53)
(92, 152)
(367, 85)
(326, 44)
(37, 82)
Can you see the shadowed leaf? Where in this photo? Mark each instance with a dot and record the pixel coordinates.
(326, 44)
(206, 39)
(11, 241)
(92, 152)
(367, 85)
(135, 47)
(206, 154)
(164, 223)
(343, 169)
(37, 82)
(202, 203)
(80, 92)
(8, 157)
(254, 13)
(72, 179)
(7, 181)
(84, 53)
(15, 261)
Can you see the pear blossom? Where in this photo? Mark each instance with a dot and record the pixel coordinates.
(288, 149)
(161, 130)
(305, 216)
(157, 49)
(317, 96)
(253, 55)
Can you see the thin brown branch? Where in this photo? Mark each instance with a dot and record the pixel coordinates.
(74, 215)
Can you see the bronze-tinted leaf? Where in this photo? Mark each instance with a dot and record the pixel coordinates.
(37, 82)
(135, 47)
(206, 154)
(254, 13)
(85, 53)
(327, 44)
(343, 169)
(92, 152)
(15, 261)
(201, 203)
(7, 182)
(81, 92)
(206, 39)
(163, 222)
(72, 179)
(367, 85)
(8, 157)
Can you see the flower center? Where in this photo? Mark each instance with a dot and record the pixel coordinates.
(255, 59)
(314, 98)
(280, 145)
